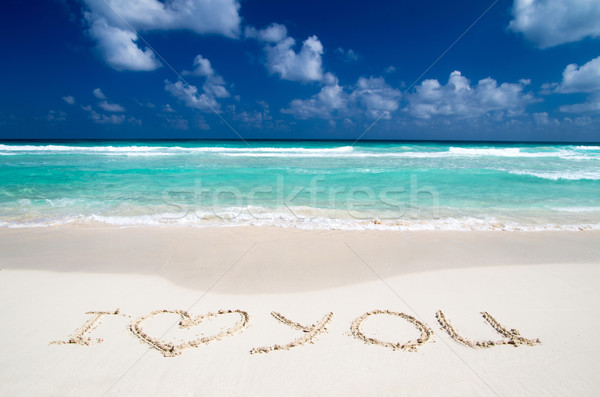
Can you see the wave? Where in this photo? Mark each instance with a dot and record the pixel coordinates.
(576, 209)
(562, 175)
(518, 152)
(164, 149)
(287, 220)
(575, 153)
(587, 148)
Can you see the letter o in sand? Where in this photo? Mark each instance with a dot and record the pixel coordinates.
(411, 345)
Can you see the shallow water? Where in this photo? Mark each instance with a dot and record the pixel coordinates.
(321, 185)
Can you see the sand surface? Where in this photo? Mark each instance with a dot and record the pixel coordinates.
(270, 312)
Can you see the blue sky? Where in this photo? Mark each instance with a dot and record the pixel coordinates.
(527, 70)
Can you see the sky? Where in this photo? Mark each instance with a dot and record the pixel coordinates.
(514, 70)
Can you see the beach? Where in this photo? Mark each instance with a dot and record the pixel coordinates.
(292, 199)
(248, 311)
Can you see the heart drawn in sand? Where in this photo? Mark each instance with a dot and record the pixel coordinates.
(169, 349)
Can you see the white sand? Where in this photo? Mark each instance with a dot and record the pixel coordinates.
(543, 284)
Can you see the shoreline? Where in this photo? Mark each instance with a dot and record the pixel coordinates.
(284, 221)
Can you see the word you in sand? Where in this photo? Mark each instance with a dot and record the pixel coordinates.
(81, 336)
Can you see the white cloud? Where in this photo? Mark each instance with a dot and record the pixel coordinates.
(544, 119)
(54, 115)
(98, 93)
(304, 65)
(214, 84)
(331, 98)
(100, 118)
(111, 107)
(167, 108)
(592, 105)
(581, 79)
(255, 119)
(199, 16)
(370, 97)
(585, 79)
(461, 100)
(348, 55)
(213, 87)
(104, 104)
(118, 47)
(118, 44)
(548, 23)
(541, 118)
(202, 67)
(191, 97)
(69, 99)
(107, 118)
(375, 96)
(271, 34)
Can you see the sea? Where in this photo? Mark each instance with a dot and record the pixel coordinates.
(301, 184)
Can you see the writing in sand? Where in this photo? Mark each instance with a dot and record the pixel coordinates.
(309, 333)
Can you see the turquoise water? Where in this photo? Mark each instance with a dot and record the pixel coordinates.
(323, 185)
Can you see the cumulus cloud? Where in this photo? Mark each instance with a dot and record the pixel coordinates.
(271, 34)
(202, 67)
(376, 97)
(371, 97)
(98, 93)
(348, 55)
(190, 96)
(104, 104)
(213, 87)
(111, 107)
(331, 98)
(592, 105)
(107, 119)
(214, 84)
(118, 44)
(548, 23)
(168, 109)
(254, 119)
(543, 119)
(281, 58)
(54, 115)
(69, 99)
(199, 16)
(581, 79)
(114, 119)
(458, 98)
(119, 48)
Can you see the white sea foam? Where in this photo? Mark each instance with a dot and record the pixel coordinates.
(575, 153)
(165, 149)
(227, 218)
(562, 175)
(576, 209)
(514, 152)
(587, 147)
(452, 152)
(504, 152)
